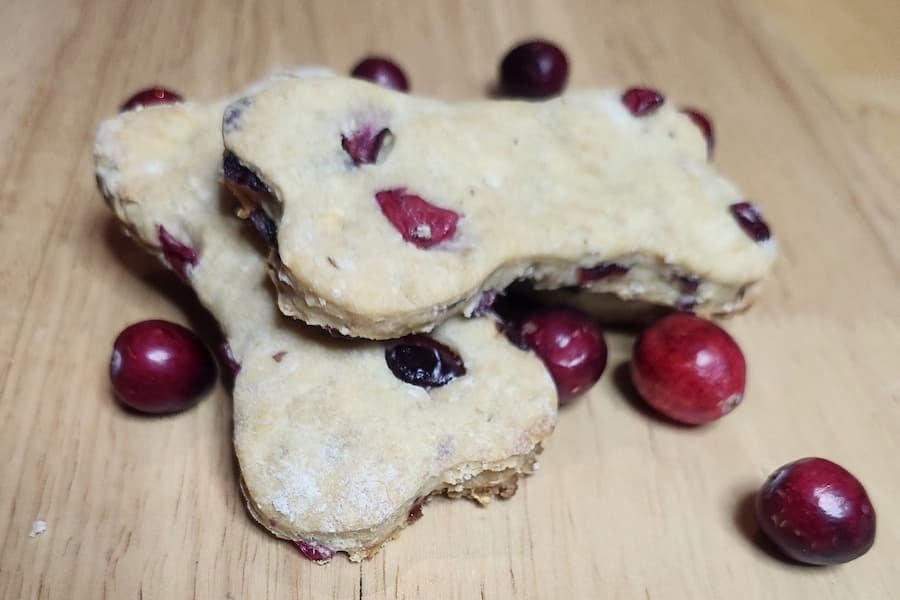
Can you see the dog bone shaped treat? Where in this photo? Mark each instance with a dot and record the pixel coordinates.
(336, 452)
(394, 213)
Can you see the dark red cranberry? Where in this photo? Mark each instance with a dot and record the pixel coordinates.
(383, 72)
(702, 121)
(237, 172)
(751, 221)
(227, 358)
(160, 367)
(265, 227)
(363, 145)
(181, 258)
(415, 512)
(816, 512)
(278, 356)
(689, 369)
(314, 551)
(571, 346)
(535, 69)
(641, 101)
(417, 220)
(423, 361)
(601, 271)
(150, 96)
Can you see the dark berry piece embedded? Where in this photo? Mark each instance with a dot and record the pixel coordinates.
(751, 221)
(535, 69)
(601, 271)
(415, 512)
(381, 71)
(364, 145)
(160, 367)
(571, 346)
(423, 361)
(641, 101)
(687, 283)
(816, 512)
(181, 258)
(237, 172)
(227, 358)
(278, 356)
(313, 551)
(151, 96)
(265, 227)
(689, 369)
(485, 302)
(702, 121)
(417, 220)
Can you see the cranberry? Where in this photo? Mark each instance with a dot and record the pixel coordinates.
(150, 96)
(383, 72)
(702, 121)
(751, 221)
(228, 359)
(181, 258)
(601, 271)
(423, 361)
(363, 145)
(238, 173)
(688, 368)
(641, 101)
(265, 227)
(314, 551)
(535, 69)
(160, 367)
(571, 346)
(816, 512)
(687, 282)
(417, 220)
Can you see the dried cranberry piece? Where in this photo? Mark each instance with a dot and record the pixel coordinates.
(485, 302)
(150, 96)
(381, 71)
(534, 69)
(227, 358)
(181, 258)
(363, 145)
(641, 101)
(702, 121)
(417, 220)
(687, 282)
(237, 172)
(415, 511)
(265, 227)
(314, 551)
(601, 271)
(423, 361)
(751, 221)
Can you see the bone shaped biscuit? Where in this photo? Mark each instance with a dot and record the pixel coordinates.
(394, 212)
(335, 452)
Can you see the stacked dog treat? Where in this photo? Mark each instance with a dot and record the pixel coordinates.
(371, 371)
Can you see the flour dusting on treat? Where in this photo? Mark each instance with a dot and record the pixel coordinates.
(336, 453)
(469, 197)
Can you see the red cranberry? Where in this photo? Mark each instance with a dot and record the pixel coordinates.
(688, 368)
(160, 367)
(314, 551)
(363, 145)
(383, 72)
(535, 69)
(816, 512)
(181, 257)
(571, 346)
(423, 361)
(417, 220)
(702, 121)
(150, 96)
(641, 101)
(751, 221)
(601, 271)
(228, 359)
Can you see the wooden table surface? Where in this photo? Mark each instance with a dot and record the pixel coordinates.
(806, 100)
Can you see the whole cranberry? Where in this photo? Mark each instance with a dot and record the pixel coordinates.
(160, 367)
(689, 369)
(816, 512)
(534, 69)
(571, 346)
(150, 96)
(382, 71)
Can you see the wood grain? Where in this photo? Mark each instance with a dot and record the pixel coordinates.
(806, 100)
